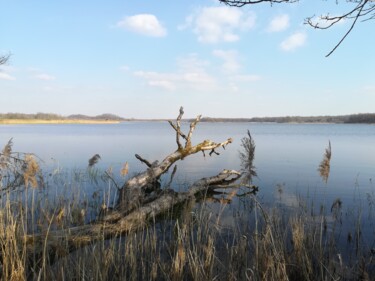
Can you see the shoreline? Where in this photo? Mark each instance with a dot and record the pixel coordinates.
(107, 122)
(39, 121)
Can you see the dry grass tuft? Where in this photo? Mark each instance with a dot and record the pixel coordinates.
(324, 167)
(93, 160)
(7, 150)
(247, 157)
(31, 169)
(6, 153)
(124, 170)
(300, 256)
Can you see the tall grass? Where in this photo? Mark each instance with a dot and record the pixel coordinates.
(199, 241)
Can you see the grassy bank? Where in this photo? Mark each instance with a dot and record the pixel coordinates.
(56, 121)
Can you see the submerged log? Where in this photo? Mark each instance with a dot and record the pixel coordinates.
(140, 200)
(61, 242)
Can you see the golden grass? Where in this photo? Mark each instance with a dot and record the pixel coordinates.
(72, 121)
(325, 164)
(187, 244)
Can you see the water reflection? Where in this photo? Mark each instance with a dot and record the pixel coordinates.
(286, 153)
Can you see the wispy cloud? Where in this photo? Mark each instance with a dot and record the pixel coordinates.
(191, 74)
(6, 76)
(231, 68)
(278, 23)
(246, 78)
(231, 62)
(219, 24)
(45, 77)
(145, 24)
(165, 84)
(294, 41)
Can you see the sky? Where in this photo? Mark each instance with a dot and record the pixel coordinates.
(145, 59)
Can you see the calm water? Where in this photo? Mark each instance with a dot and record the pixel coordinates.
(286, 155)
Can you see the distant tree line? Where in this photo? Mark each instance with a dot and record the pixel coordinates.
(105, 116)
(367, 118)
(53, 116)
(38, 116)
(361, 118)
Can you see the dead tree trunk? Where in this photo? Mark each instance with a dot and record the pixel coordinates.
(133, 193)
(136, 205)
(60, 243)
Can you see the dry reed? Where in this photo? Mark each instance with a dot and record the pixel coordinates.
(325, 164)
(192, 243)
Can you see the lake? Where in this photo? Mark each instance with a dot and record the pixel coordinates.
(287, 157)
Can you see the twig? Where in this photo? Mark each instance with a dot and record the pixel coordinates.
(143, 160)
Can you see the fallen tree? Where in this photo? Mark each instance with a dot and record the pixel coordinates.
(136, 190)
(140, 200)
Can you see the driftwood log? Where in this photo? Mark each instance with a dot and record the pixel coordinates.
(140, 201)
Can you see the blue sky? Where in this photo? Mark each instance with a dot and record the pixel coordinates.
(144, 59)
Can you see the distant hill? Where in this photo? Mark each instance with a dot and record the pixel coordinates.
(105, 116)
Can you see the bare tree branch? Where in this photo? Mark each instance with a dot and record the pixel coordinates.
(192, 127)
(177, 128)
(4, 59)
(241, 3)
(133, 192)
(143, 160)
(363, 9)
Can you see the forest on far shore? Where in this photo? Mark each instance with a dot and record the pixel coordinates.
(366, 118)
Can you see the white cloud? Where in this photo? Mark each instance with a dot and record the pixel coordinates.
(278, 23)
(192, 63)
(191, 74)
(165, 84)
(145, 24)
(296, 40)
(6, 76)
(230, 59)
(45, 77)
(219, 24)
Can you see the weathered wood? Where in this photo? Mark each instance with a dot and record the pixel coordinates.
(62, 242)
(132, 193)
(140, 200)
